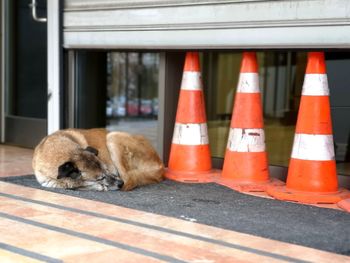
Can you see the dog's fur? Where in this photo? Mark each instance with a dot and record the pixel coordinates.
(96, 160)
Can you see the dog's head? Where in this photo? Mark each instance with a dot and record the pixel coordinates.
(85, 168)
(61, 162)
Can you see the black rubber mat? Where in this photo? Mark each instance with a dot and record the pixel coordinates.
(215, 205)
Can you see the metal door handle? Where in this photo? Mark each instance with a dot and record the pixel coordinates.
(35, 16)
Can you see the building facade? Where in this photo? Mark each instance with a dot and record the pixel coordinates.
(90, 57)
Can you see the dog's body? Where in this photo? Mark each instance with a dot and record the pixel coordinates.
(96, 160)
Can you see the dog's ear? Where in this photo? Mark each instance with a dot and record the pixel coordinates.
(92, 150)
(68, 170)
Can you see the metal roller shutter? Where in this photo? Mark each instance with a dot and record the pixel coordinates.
(209, 24)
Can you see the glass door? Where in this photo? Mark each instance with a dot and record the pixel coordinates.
(25, 73)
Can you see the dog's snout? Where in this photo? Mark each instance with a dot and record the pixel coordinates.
(114, 182)
(120, 183)
(110, 180)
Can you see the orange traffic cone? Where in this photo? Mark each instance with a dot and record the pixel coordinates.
(312, 176)
(345, 204)
(246, 165)
(190, 159)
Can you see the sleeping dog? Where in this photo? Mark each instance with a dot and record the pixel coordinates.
(96, 160)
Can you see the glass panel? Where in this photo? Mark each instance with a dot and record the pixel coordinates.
(132, 90)
(26, 94)
(281, 82)
(281, 76)
(338, 64)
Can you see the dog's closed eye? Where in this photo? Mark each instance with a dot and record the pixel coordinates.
(92, 150)
(68, 169)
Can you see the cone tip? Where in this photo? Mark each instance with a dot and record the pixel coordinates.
(249, 63)
(316, 63)
(192, 62)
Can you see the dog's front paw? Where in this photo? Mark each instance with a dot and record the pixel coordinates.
(93, 186)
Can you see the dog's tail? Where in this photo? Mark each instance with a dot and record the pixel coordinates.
(137, 178)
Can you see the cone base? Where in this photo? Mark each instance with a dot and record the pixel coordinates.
(344, 204)
(251, 167)
(190, 158)
(248, 186)
(209, 176)
(285, 194)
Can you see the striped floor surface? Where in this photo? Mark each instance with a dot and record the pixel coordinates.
(41, 226)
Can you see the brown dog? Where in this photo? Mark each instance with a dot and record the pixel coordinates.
(96, 160)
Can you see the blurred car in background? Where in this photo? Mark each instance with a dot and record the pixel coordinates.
(116, 107)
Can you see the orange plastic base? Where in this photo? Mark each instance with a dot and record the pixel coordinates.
(345, 204)
(192, 177)
(248, 186)
(283, 193)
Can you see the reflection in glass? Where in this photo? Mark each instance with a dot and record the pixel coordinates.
(132, 90)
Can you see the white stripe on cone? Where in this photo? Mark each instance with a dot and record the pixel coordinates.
(315, 85)
(191, 80)
(191, 134)
(246, 140)
(315, 147)
(248, 83)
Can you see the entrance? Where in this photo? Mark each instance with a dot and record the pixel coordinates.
(24, 73)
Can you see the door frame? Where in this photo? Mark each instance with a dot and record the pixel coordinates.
(55, 111)
(2, 72)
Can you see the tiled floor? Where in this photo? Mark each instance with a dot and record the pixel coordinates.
(37, 226)
(15, 161)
